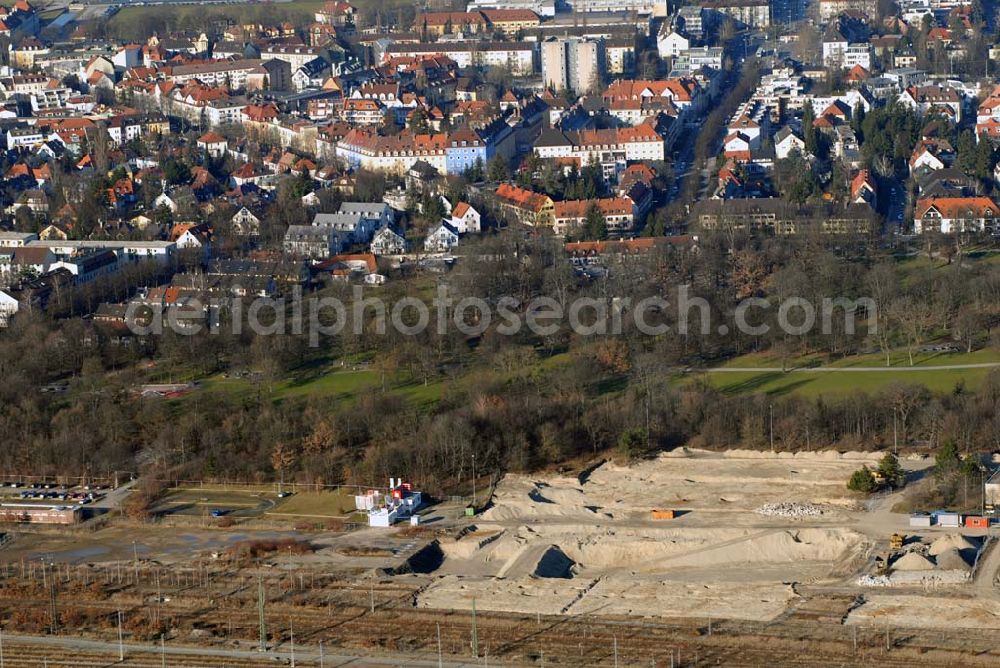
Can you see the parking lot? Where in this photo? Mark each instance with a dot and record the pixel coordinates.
(47, 493)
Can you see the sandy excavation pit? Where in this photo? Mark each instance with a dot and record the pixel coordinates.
(561, 546)
(714, 553)
(734, 482)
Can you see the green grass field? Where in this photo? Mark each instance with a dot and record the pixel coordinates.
(345, 385)
(897, 358)
(335, 503)
(818, 383)
(342, 386)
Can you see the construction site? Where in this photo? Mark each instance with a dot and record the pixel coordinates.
(693, 558)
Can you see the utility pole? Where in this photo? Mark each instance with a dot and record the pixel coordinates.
(260, 614)
(440, 660)
(121, 645)
(320, 654)
(371, 592)
(291, 636)
(475, 637)
(770, 411)
(982, 490)
(52, 599)
(473, 481)
(616, 651)
(163, 652)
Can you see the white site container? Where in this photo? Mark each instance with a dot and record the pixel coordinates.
(949, 520)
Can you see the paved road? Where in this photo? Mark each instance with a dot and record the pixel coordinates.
(310, 653)
(847, 369)
(986, 572)
(114, 499)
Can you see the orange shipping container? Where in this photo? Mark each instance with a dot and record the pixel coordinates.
(662, 514)
(973, 522)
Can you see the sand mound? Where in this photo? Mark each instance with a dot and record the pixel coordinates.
(518, 497)
(554, 564)
(913, 561)
(950, 542)
(952, 560)
(651, 551)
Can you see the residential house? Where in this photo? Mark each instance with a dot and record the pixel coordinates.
(311, 241)
(442, 239)
(670, 44)
(571, 215)
(949, 215)
(526, 207)
(932, 154)
(8, 308)
(347, 266)
(511, 21)
(191, 235)
(787, 143)
(776, 216)
(24, 262)
(863, 189)
(388, 242)
(214, 144)
(942, 100)
(356, 222)
(89, 266)
(465, 219)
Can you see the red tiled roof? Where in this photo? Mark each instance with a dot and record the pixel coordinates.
(521, 198)
(513, 15)
(958, 207)
(613, 206)
(211, 138)
(639, 245)
(860, 181)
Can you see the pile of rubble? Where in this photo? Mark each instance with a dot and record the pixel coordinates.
(874, 581)
(789, 510)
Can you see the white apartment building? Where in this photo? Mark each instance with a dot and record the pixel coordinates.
(608, 147)
(132, 251)
(223, 73)
(517, 57)
(859, 54)
(656, 8)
